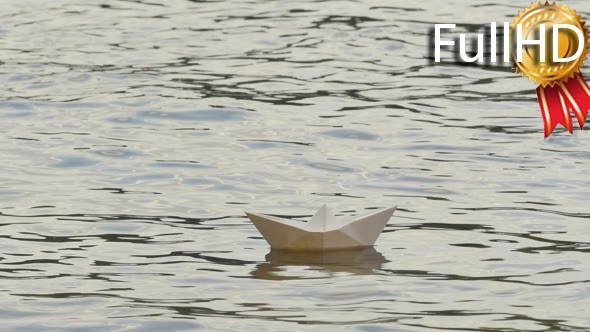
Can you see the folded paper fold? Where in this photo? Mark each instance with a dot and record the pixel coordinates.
(322, 232)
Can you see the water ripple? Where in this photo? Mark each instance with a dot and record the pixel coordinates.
(136, 133)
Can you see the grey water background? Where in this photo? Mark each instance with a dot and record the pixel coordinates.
(134, 134)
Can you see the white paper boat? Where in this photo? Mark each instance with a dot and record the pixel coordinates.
(323, 231)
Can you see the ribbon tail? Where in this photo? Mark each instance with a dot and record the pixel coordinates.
(554, 109)
(577, 96)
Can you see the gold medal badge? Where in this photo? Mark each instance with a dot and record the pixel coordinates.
(555, 64)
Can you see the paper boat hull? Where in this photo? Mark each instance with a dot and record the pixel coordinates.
(285, 234)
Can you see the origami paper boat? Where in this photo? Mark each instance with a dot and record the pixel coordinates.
(323, 231)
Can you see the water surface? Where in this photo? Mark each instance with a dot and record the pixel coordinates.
(134, 134)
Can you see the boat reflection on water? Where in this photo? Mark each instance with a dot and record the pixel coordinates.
(286, 265)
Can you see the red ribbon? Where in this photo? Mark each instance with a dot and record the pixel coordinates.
(557, 101)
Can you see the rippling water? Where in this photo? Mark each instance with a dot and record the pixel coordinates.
(135, 134)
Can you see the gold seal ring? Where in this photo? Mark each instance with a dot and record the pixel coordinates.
(549, 73)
